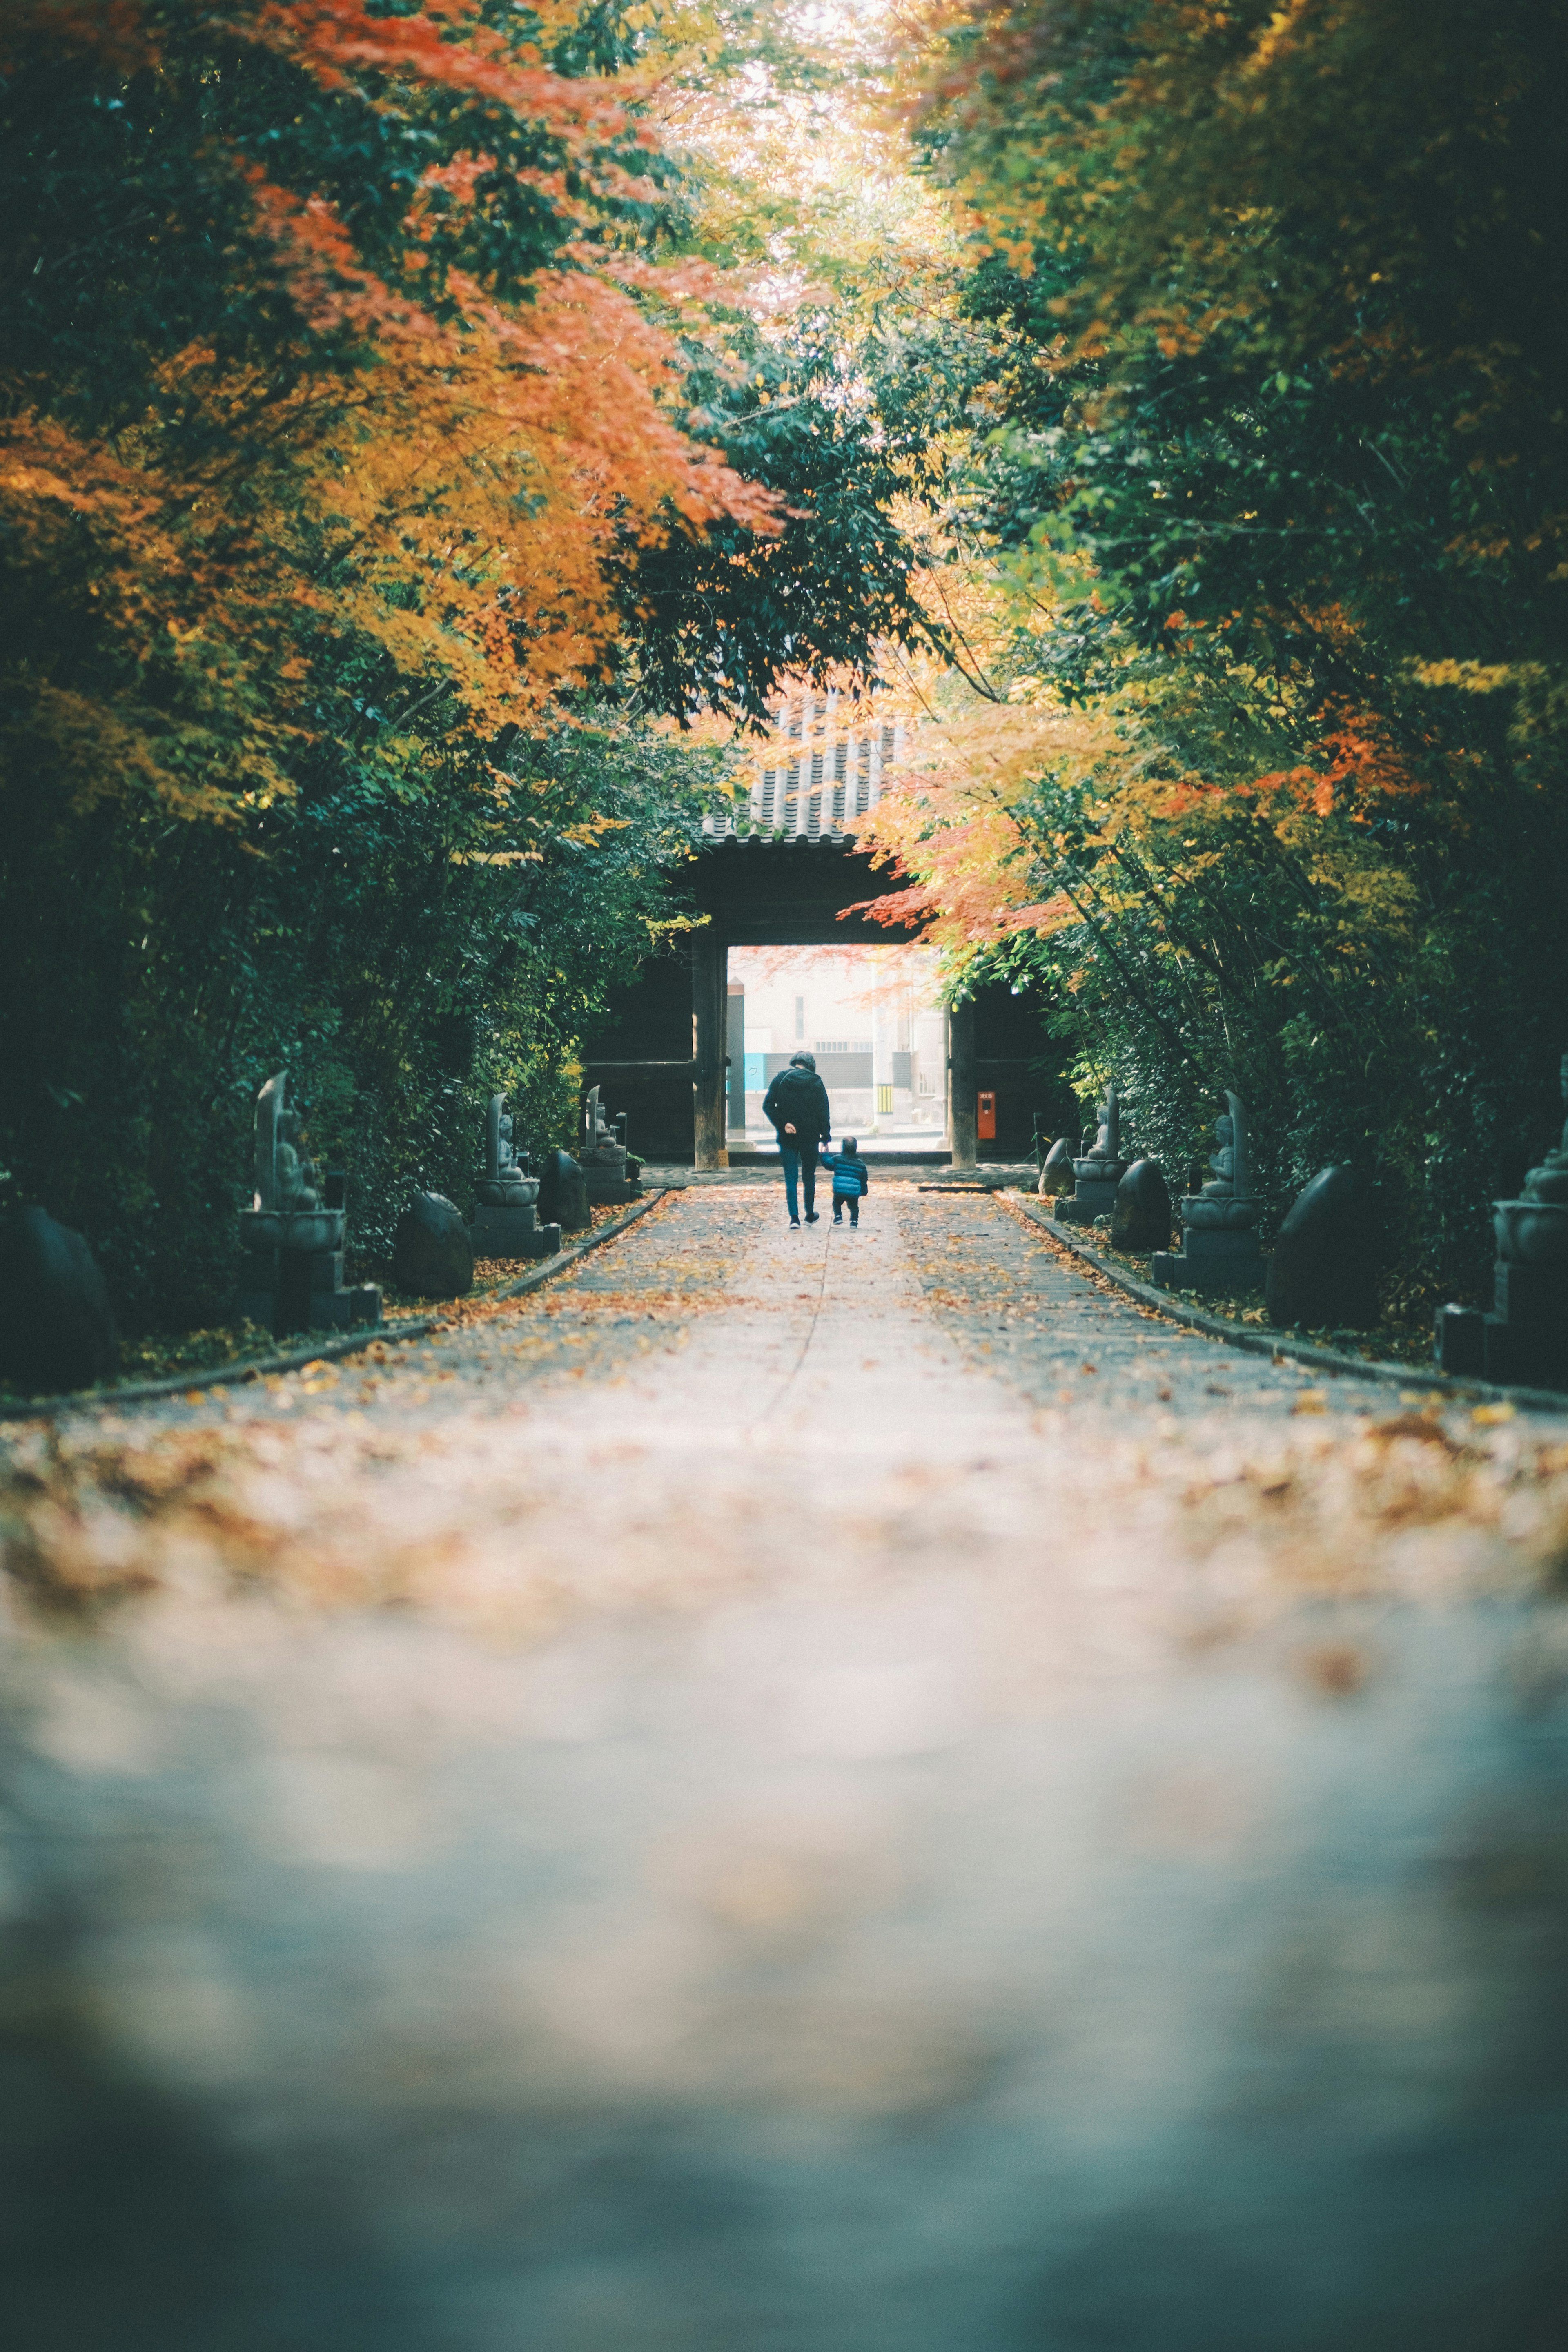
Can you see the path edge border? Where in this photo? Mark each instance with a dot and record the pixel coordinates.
(1255, 1343)
(348, 1343)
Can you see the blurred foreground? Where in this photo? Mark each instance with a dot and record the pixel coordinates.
(797, 1794)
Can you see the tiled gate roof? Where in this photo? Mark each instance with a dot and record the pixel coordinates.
(828, 775)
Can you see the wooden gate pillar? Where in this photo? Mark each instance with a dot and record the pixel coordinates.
(961, 1077)
(710, 1026)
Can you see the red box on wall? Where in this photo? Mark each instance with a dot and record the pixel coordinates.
(985, 1118)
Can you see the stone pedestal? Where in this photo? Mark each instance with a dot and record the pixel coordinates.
(1525, 1337)
(1093, 1191)
(1524, 1340)
(512, 1233)
(1461, 1344)
(1212, 1257)
(288, 1291)
(607, 1183)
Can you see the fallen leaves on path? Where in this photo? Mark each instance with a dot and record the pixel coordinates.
(410, 1478)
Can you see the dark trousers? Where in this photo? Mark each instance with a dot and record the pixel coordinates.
(850, 1200)
(799, 1164)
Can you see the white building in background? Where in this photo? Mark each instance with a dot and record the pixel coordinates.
(870, 1016)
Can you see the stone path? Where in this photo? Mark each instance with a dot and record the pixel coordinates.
(796, 1792)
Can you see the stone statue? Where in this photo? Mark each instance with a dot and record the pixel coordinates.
(1219, 1249)
(297, 1188)
(292, 1278)
(286, 1211)
(1533, 1230)
(1107, 1144)
(600, 1141)
(503, 1184)
(1223, 1161)
(1525, 1337)
(1099, 1167)
(603, 1156)
(1225, 1200)
(506, 1222)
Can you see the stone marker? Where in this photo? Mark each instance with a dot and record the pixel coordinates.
(563, 1194)
(1219, 1248)
(506, 1222)
(602, 1155)
(291, 1277)
(1524, 1340)
(1056, 1171)
(1141, 1218)
(1319, 1275)
(1100, 1168)
(56, 1329)
(434, 1257)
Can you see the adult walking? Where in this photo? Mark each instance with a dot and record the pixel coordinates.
(796, 1102)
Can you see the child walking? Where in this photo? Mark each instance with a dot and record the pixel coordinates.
(851, 1179)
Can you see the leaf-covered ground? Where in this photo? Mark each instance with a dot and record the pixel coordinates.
(826, 1790)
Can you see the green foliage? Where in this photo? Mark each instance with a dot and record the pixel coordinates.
(156, 975)
(343, 427)
(716, 619)
(1264, 347)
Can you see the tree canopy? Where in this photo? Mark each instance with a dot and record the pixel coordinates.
(432, 429)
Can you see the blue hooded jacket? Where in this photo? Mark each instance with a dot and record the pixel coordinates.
(851, 1178)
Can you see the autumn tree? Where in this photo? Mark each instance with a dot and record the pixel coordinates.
(1262, 504)
(348, 357)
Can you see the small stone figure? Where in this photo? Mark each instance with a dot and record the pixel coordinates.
(1524, 1340)
(506, 1223)
(432, 1256)
(1319, 1274)
(1140, 1220)
(603, 1156)
(56, 1328)
(292, 1277)
(1219, 1248)
(1100, 1167)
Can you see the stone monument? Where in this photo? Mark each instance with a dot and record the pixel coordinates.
(1319, 1273)
(1056, 1169)
(1219, 1246)
(292, 1234)
(56, 1329)
(506, 1220)
(603, 1156)
(1140, 1221)
(1524, 1340)
(564, 1192)
(432, 1256)
(1100, 1169)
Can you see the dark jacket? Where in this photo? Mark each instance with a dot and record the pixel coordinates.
(798, 1095)
(851, 1178)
